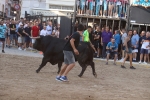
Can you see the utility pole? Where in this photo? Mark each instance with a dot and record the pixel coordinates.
(74, 15)
(128, 18)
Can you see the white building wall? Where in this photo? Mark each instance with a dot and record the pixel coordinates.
(61, 2)
(28, 5)
(2, 8)
(59, 7)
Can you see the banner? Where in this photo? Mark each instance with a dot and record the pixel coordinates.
(145, 3)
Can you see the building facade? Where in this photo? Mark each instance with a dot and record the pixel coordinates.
(47, 7)
(12, 8)
(2, 8)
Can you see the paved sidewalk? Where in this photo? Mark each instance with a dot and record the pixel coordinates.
(15, 51)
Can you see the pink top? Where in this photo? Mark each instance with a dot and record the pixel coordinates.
(124, 1)
(111, 0)
(90, 0)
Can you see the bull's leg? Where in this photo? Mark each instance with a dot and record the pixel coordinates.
(44, 62)
(59, 67)
(93, 69)
(83, 69)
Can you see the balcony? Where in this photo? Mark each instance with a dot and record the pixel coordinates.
(2, 14)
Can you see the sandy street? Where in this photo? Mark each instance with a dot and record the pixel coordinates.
(18, 81)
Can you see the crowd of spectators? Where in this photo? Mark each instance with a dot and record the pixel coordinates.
(105, 43)
(105, 8)
(110, 44)
(21, 33)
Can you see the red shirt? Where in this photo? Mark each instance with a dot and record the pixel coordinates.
(35, 31)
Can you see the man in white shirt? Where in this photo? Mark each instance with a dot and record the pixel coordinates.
(43, 31)
(49, 28)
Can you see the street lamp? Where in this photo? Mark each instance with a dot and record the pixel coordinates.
(15, 12)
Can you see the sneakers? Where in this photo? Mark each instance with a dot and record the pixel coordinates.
(64, 78)
(3, 51)
(19, 48)
(132, 67)
(58, 78)
(106, 63)
(122, 59)
(144, 63)
(123, 67)
(30, 48)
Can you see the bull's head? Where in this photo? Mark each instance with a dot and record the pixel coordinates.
(38, 44)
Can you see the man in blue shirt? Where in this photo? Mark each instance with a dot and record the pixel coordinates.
(117, 37)
(2, 35)
(135, 44)
(112, 48)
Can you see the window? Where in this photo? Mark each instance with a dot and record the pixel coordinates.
(61, 7)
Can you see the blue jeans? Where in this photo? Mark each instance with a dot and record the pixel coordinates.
(104, 49)
(97, 9)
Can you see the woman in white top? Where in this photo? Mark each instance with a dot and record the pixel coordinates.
(43, 31)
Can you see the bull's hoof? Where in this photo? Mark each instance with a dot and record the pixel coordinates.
(37, 71)
(95, 75)
(80, 76)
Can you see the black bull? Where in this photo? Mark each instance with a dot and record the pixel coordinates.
(52, 49)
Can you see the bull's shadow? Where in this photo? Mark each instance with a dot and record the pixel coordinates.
(52, 49)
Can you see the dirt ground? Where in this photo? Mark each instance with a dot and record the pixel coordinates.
(18, 81)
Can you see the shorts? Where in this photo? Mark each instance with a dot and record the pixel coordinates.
(33, 41)
(27, 39)
(7, 35)
(123, 47)
(21, 39)
(144, 51)
(105, 5)
(129, 50)
(91, 6)
(82, 5)
(97, 44)
(110, 3)
(68, 57)
(111, 53)
(148, 51)
(13, 37)
(134, 50)
(2, 39)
